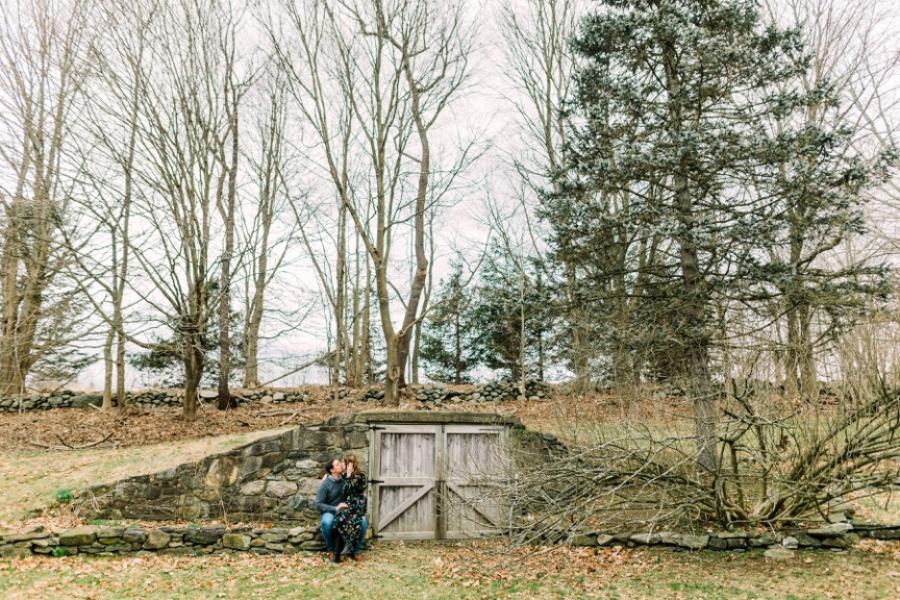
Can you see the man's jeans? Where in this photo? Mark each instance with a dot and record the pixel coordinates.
(328, 521)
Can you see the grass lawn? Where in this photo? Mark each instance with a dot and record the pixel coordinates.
(465, 570)
(29, 480)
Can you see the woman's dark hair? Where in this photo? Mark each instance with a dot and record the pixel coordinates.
(329, 465)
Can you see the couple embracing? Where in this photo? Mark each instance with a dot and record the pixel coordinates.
(341, 500)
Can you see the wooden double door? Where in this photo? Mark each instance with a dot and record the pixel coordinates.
(437, 481)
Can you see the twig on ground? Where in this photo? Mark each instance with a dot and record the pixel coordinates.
(277, 413)
(290, 418)
(67, 446)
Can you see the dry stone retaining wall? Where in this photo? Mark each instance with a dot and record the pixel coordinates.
(195, 541)
(191, 541)
(431, 393)
(273, 479)
(835, 535)
(142, 398)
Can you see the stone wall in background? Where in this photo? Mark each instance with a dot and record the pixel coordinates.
(144, 398)
(781, 544)
(434, 394)
(493, 391)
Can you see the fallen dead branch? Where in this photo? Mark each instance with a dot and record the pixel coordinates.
(67, 446)
(289, 419)
(777, 466)
(279, 413)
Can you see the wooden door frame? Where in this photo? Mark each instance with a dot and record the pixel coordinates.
(440, 483)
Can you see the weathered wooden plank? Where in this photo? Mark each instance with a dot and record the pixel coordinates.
(478, 501)
(475, 459)
(407, 460)
(401, 507)
(434, 480)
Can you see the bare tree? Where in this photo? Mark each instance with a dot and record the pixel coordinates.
(186, 111)
(386, 82)
(426, 303)
(235, 87)
(42, 65)
(536, 36)
(112, 120)
(780, 468)
(850, 53)
(266, 250)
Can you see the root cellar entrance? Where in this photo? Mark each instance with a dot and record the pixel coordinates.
(436, 481)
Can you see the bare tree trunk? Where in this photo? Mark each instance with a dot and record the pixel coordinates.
(340, 307)
(809, 387)
(522, 372)
(582, 381)
(120, 270)
(696, 343)
(120, 370)
(692, 300)
(392, 377)
(271, 173)
(193, 371)
(366, 349)
(418, 280)
(107, 369)
(791, 354)
(12, 379)
(429, 284)
(414, 361)
(457, 350)
(357, 365)
(232, 100)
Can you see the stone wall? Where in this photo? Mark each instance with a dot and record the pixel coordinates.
(191, 541)
(780, 544)
(493, 391)
(273, 479)
(144, 398)
(431, 393)
(195, 541)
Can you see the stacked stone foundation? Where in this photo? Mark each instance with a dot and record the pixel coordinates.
(199, 541)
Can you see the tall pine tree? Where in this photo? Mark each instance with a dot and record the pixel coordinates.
(670, 134)
(512, 317)
(447, 338)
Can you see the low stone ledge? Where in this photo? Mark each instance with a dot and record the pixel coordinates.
(838, 536)
(108, 541)
(195, 541)
(415, 416)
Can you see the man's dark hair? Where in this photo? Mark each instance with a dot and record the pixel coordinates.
(329, 465)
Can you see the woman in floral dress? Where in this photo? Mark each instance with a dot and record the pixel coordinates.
(348, 521)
